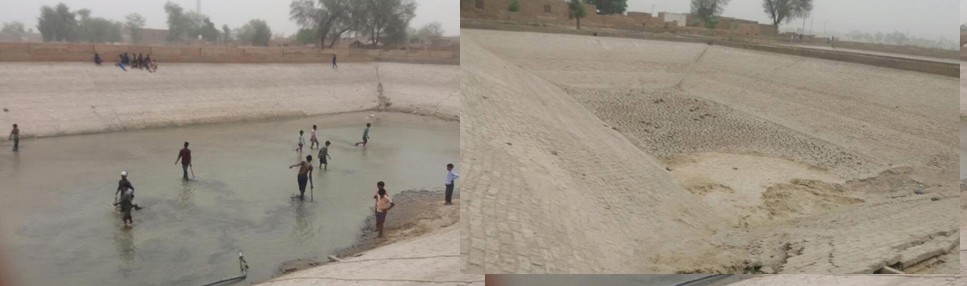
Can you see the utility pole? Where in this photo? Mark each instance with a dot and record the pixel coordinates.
(804, 24)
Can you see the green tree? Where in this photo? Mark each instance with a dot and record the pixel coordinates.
(576, 9)
(307, 36)
(430, 32)
(184, 25)
(388, 18)
(255, 32)
(609, 7)
(134, 22)
(13, 29)
(708, 10)
(208, 31)
(226, 34)
(177, 26)
(513, 6)
(57, 24)
(786, 10)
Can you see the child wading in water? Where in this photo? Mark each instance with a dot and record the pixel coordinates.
(324, 156)
(365, 136)
(313, 141)
(302, 141)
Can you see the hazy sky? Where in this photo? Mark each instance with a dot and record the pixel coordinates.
(923, 18)
(235, 13)
(963, 11)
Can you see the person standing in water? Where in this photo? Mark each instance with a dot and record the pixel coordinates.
(123, 186)
(127, 196)
(302, 141)
(334, 62)
(324, 156)
(305, 167)
(185, 156)
(15, 136)
(383, 204)
(451, 176)
(365, 136)
(313, 141)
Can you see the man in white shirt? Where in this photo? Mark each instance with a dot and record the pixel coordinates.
(451, 176)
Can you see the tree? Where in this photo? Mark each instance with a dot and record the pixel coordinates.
(226, 34)
(208, 31)
(708, 10)
(608, 7)
(786, 10)
(134, 23)
(255, 32)
(176, 22)
(577, 10)
(388, 18)
(513, 6)
(320, 19)
(57, 24)
(13, 29)
(184, 25)
(306, 36)
(430, 32)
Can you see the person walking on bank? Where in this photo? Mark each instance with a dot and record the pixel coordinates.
(324, 156)
(305, 167)
(383, 204)
(15, 136)
(185, 156)
(365, 136)
(451, 176)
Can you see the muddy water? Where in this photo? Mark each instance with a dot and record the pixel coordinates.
(57, 225)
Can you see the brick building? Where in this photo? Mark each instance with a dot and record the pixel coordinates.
(556, 12)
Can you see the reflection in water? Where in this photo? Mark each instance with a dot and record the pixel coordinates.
(302, 230)
(124, 243)
(186, 196)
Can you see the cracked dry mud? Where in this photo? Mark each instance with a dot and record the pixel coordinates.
(591, 154)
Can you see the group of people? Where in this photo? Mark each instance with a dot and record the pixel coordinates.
(124, 195)
(139, 61)
(383, 201)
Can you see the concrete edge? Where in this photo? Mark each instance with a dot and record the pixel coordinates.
(924, 66)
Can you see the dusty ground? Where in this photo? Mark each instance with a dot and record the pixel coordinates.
(963, 103)
(866, 280)
(756, 162)
(69, 98)
(419, 213)
(417, 250)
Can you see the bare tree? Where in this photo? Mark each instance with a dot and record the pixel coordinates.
(786, 10)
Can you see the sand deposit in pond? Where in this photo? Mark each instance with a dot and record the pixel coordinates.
(58, 226)
(589, 154)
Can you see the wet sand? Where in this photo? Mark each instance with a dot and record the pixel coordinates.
(56, 216)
